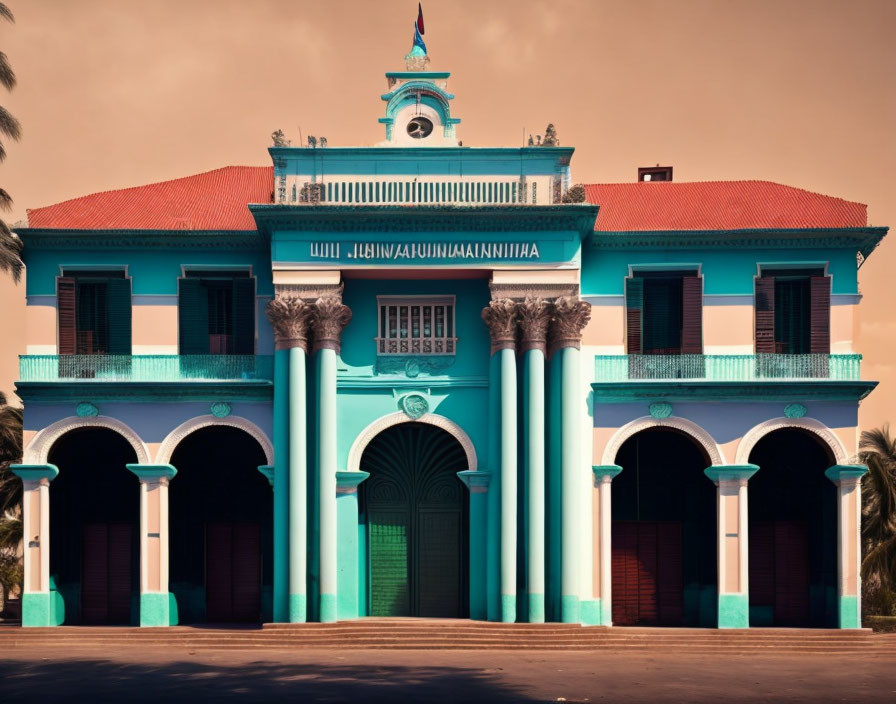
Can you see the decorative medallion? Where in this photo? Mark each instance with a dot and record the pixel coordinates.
(794, 410)
(86, 410)
(660, 410)
(220, 409)
(413, 405)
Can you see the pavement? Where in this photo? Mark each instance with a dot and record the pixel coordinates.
(307, 676)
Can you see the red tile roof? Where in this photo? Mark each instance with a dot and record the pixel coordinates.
(717, 205)
(214, 200)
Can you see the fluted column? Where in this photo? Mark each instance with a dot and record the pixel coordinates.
(848, 478)
(38, 607)
(567, 322)
(290, 317)
(535, 314)
(733, 543)
(501, 318)
(329, 318)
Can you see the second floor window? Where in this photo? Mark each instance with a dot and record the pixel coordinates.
(664, 313)
(416, 325)
(94, 312)
(216, 313)
(793, 312)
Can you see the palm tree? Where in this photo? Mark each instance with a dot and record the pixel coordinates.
(10, 453)
(877, 449)
(10, 245)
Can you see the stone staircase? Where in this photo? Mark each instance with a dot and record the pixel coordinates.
(450, 634)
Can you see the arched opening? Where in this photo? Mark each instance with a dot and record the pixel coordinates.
(221, 528)
(664, 556)
(792, 532)
(414, 509)
(94, 520)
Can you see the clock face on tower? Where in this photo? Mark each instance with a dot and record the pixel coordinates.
(419, 127)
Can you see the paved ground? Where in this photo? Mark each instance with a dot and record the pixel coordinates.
(435, 677)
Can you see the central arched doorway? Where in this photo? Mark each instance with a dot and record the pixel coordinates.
(415, 510)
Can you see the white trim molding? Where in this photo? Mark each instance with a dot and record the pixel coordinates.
(39, 448)
(172, 440)
(757, 432)
(385, 422)
(703, 438)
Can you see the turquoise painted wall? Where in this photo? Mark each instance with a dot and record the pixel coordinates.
(725, 271)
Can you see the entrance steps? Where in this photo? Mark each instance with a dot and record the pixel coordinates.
(449, 634)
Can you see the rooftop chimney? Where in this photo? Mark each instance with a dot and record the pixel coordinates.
(655, 173)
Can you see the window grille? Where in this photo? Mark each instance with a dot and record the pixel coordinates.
(416, 326)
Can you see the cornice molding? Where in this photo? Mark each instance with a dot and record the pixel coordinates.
(132, 391)
(40, 238)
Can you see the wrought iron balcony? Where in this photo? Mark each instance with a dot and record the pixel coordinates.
(145, 368)
(725, 367)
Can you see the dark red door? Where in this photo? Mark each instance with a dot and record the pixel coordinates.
(233, 572)
(779, 570)
(106, 573)
(647, 573)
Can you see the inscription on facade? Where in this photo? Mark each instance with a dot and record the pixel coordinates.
(424, 250)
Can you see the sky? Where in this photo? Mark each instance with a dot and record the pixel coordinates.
(117, 93)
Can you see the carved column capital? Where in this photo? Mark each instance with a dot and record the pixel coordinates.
(330, 316)
(501, 317)
(570, 316)
(290, 317)
(534, 315)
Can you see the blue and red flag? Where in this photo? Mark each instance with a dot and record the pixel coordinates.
(420, 18)
(418, 31)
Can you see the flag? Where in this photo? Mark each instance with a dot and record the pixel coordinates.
(420, 18)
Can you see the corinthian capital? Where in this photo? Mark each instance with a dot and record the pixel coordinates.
(570, 317)
(290, 317)
(330, 316)
(535, 314)
(501, 317)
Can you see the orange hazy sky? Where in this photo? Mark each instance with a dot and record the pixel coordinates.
(116, 93)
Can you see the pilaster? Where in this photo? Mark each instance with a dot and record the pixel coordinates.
(848, 479)
(602, 527)
(348, 581)
(477, 481)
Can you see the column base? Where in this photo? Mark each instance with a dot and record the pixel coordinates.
(328, 608)
(536, 608)
(298, 608)
(158, 609)
(734, 611)
(589, 612)
(508, 608)
(606, 612)
(38, 610)
(848, 612)
(569, 609)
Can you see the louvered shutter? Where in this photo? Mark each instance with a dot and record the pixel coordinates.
(692, 315)
(192, 316)
(634, 314)
(244, 316)
(820, 314)
(65, 310)
(118, 310)
(765, 314)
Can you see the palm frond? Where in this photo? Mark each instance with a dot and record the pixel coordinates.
(6, 13)
(10, 253)
(880, 563)
(5, 200)
(7, 75)
(11, 530)
(9, 125)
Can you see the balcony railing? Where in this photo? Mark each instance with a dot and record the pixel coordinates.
(157, 368)
(726, 367)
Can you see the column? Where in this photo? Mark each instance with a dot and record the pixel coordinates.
(477, 482)
(570, 317)
(38, 608)
(349, 558)
(501, 317)
(157, 606)
(290, 317)
(535, 314)
(733, 543)
(329, 317)
(602, 527)
(848, 479)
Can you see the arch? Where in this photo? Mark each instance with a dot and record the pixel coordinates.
(39, 448)
(819, 429)
(703, 438)
(171, 441)
(381, 424)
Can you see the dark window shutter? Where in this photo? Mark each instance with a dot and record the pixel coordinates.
(765, 314)
(244, 316)
(634, 311)
(192, 316)
(65, 310)
(820, 314)
(692, 315)
(118, 308)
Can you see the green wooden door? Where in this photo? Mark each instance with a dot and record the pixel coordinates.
(416, 516)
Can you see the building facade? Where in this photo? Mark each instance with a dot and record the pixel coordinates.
(420, 379)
